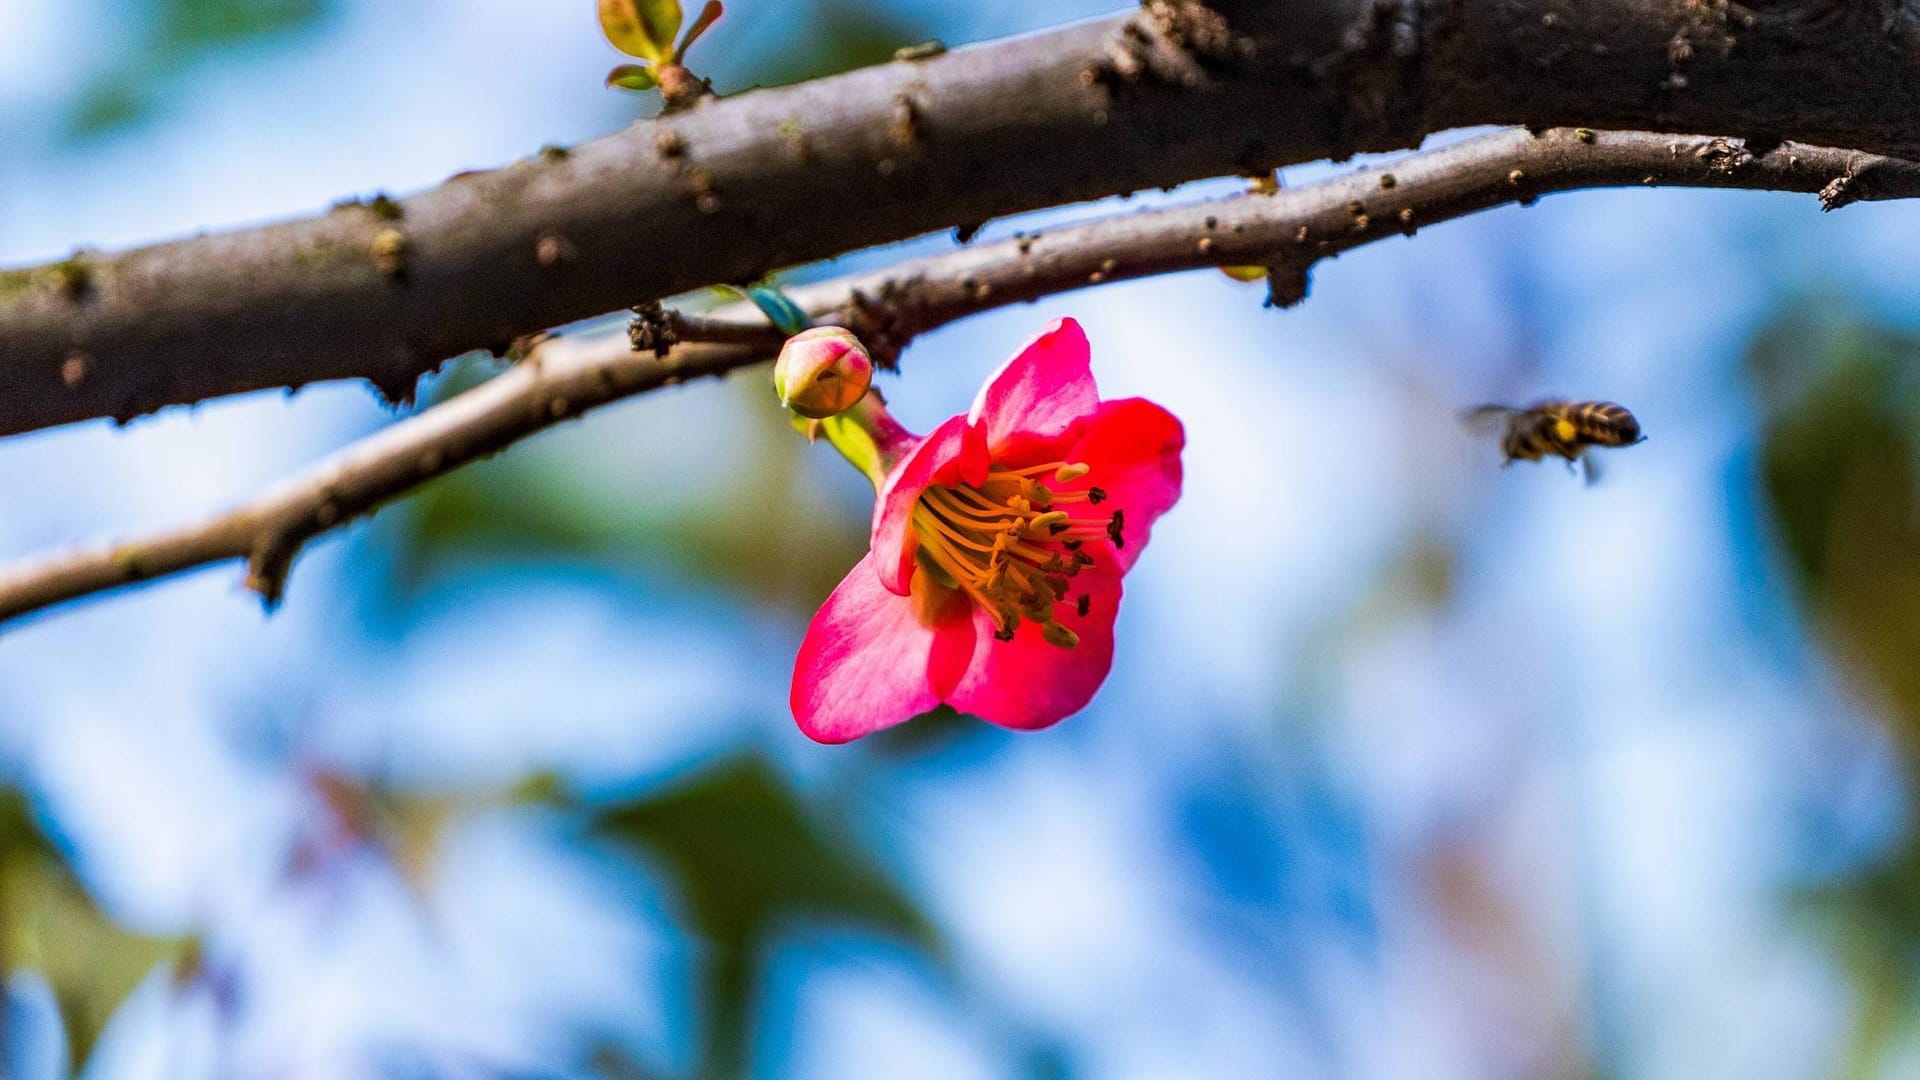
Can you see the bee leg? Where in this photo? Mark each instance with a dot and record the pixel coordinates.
(1590, 468)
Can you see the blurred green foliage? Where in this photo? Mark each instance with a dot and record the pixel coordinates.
(750, 858)
(1839, 443)
(156, 41)
(835, 36)
(189, 26)
(53, 927)
(1873, 921)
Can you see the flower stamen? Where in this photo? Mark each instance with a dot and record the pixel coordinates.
(1010, 549)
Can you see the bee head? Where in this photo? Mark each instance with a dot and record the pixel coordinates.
(1629, 429)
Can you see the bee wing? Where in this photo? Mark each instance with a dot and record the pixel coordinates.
(1488, 419)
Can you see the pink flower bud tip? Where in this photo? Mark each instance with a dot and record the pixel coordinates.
(822, 372)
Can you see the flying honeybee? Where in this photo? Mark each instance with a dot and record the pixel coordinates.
(1566, 429)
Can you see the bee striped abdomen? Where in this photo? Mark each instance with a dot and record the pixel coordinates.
(1602, 423)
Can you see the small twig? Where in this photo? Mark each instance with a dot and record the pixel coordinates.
(560, 378)
(752, 331)
(657, 329)
(563, 377)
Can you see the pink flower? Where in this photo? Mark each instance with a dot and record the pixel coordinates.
(999, 542)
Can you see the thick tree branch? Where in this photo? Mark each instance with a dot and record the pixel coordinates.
(563, 377)
(733, 188)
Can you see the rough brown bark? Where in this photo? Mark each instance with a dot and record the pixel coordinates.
(736, 187)
(1291, 230)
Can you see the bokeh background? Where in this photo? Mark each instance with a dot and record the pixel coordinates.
(1409, 766)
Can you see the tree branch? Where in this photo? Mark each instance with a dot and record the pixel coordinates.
(730, 189)
(563, 377)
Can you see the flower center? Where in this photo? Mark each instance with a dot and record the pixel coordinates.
(1014, 545)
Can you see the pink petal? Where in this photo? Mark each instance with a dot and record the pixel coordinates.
(1029, 683)
(951, 453)
(1039, 393)
(1133, 447)
(870, 659)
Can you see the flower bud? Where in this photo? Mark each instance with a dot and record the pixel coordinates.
(822, 372)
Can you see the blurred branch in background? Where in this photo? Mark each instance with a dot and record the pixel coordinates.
(1287, 232)
(728, 191)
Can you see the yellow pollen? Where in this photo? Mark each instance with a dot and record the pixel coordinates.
(1009, 550)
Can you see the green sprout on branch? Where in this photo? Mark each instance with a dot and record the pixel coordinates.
(645, 29)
